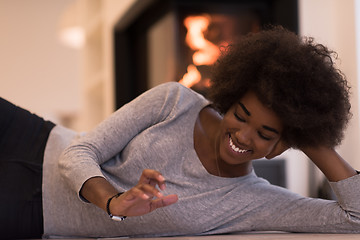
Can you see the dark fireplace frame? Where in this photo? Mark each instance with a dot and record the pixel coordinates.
(130, 39)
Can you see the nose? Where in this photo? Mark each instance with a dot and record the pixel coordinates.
(244, 135)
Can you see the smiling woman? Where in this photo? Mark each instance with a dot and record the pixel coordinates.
(247, 131)
(173, 163)
(295, 77)
(251, 129)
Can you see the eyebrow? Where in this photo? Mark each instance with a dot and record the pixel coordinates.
(270, 129)
(264, 126)
(245, 109)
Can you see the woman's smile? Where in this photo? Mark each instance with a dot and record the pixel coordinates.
(237, 149)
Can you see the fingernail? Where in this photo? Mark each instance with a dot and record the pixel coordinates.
(161, 178)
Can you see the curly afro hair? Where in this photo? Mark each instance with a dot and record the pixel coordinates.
(293, 76)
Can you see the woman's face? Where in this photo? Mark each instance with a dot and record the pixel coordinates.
(249, 131)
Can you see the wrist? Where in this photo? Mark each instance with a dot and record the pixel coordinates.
(98, 190)
(114, 217)
(334, 167)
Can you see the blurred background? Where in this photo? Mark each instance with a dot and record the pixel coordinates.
(76, 61)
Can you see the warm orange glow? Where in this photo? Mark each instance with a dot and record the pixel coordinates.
(192, 76)
(195, 26)
(206, 53)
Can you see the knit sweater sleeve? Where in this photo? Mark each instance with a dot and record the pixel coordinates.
(348, 198)
(82, 159)
(293, 213)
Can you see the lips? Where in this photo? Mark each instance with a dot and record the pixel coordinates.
(235, 148)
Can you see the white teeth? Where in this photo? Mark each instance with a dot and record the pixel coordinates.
(235, 148)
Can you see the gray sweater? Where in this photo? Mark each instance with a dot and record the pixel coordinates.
(156, 131)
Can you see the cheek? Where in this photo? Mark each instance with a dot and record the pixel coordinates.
(229, 122)
(267, 147)
(226, 124)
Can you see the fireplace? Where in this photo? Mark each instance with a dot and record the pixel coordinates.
(151, 40)
(177, 40)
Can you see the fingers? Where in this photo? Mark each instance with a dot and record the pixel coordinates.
(146, 191)
(163, 202)
(152, 177)
(138, 207)
(145, 196)
(146, 187)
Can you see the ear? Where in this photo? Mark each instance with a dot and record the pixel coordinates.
(278, 149)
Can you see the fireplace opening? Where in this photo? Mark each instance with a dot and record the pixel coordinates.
(177, 40)
(206, 34)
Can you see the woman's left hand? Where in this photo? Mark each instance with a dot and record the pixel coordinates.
(144, 197)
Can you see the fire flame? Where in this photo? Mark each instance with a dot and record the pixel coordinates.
(206, 53)
(192, 76)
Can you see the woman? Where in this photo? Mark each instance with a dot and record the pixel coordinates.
(270, 92)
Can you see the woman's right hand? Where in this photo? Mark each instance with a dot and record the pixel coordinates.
(144, 198)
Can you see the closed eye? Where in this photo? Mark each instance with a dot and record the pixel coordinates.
(238, 117)
(264, 137)
(261, 135)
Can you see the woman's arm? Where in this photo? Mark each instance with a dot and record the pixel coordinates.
(81, 160)
(295, 213)
(334, 167)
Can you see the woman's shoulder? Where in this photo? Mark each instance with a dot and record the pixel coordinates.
(174, 91)
(175, 86)
(178, 87)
